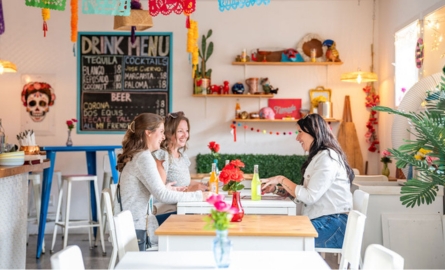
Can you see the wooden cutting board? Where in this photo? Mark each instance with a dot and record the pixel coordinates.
(348, 139)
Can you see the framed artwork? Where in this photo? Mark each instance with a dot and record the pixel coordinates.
(38, 98)
(317, 95)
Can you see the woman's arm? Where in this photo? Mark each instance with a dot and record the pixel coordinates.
(195, 185)
(161, 170)
(286, 185)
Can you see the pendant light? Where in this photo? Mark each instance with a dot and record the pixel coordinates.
(6, 66)
(363, 76)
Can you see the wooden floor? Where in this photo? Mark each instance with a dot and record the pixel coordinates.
(92, 258)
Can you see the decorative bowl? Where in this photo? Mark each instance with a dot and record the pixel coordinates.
(30, 150)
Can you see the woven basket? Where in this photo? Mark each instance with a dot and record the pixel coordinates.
(138, 17)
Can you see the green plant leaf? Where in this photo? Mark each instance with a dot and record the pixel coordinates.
(209, 33)
(209, 50)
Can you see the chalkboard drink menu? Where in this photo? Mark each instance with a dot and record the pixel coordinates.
(118, 79)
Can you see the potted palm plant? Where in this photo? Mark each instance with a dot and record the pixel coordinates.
(202, 74)
(430, 142)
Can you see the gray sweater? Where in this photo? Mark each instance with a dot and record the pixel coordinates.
(140, 179)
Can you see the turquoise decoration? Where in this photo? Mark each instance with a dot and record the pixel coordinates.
(222, 248)
(234, 4)
(106, 7)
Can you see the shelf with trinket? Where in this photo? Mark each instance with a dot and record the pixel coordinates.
(329, 120)
(287, 63)
(235, 95)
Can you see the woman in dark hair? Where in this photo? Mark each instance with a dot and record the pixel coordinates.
(172, 161)
(140, 178)
(327, 177)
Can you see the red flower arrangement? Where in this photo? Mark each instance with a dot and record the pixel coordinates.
(214, 148)
(70, 123)
(372, 99)
(231, 175)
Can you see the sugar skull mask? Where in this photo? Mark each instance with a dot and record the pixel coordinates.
(37, 97)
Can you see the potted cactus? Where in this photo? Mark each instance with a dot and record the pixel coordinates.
(202, 75)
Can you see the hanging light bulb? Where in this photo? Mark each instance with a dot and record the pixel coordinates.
(1, 69)
(359, 78)
(6, 66)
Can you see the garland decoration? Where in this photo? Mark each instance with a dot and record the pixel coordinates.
(372, 99)
(192, 44)
(74, 20)
(264, 131)
(46, 15)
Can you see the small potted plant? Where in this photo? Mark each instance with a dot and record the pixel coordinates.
(202, 75)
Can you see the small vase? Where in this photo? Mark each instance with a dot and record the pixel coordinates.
(385, 170)
(222, 248)
(69, 142)
(236, 202)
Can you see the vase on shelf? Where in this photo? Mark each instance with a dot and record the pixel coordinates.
(236, 203)
(222, 248)
(69, 142)
(385, 170)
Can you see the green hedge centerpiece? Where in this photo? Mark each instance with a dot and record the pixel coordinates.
(429, 126)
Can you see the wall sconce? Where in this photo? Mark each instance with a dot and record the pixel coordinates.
(6, 66)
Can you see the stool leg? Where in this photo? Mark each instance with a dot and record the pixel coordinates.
(67, 214)
(36, 189)
(99, 217)
(60, 188)
(59, 206)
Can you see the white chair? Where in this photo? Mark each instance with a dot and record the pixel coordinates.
(125, 233)
(112, 193)
(360, 200)
(107, 195)
(352, 243)
(356, 171)
(380, 257)
(371, 178)
(67, 224)
(68, 258)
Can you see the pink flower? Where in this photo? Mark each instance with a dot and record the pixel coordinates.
(430, 159)
(386, 153)
(215, 198)
(221, 206)
(69, 122)
(74, 120)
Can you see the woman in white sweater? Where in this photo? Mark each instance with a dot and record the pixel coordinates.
(327, 176)
(139, 175)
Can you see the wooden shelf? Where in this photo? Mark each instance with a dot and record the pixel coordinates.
(287, 63)
(235, 96)
(280, 120)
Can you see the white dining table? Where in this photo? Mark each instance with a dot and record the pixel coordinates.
(238, 260)
(270, 204)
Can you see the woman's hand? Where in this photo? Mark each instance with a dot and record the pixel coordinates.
(194, 186)
(267, 183)
(268, 189)
(171, 187)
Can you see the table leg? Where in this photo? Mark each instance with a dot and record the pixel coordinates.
(91, 167)
(46, 190)
(113, 163)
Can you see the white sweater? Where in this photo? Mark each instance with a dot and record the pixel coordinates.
(326, 188)
(140, 179)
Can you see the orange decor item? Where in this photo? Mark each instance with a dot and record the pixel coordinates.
(74, 19)
(46, 16)
(192, 43)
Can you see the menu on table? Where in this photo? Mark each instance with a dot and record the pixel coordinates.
(118, 79)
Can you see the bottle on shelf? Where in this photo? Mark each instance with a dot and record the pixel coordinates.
(237, 110)
(256, 185)
(2, 138)
(227, 162)
(213, 182)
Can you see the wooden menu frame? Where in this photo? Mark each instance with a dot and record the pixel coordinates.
(319, 91)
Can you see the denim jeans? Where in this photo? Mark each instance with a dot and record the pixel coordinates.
(331, 230)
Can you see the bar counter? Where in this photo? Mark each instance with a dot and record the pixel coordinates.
(13, 213)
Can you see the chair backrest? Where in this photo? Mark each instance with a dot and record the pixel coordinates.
(360, 201)
(106, 195)
(106, 161)
(376, 177)
(113, 189)
(125, 233)
(380, 257)
(356, 171)
(352, 243)
(68, 258)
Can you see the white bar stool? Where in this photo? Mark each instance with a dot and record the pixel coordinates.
(67, 224)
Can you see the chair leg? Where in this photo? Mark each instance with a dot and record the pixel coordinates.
(67, 215)
(113, 258)
(90, 218)
(36, 188)
(59, 206)
(60, 188)
(99, 218)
